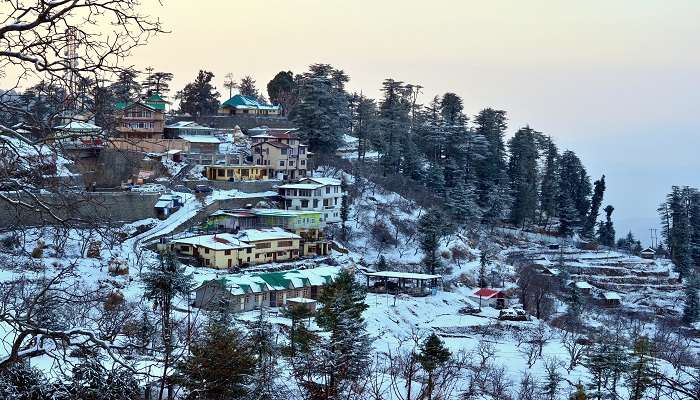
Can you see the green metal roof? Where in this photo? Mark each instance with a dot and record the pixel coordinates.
(240, 101)
(275, 279)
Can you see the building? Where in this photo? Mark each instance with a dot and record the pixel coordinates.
(314, 194)
(486, 297)
(612, 299)
(190, 128)
(247, 105)
(272, 289)
(284, 159)
(236, 172)
(79, 134)
(648, 253)
(396, 282)
(141, 119)
(582, 286)
(167, 204)
(307, 224)
(246, 247)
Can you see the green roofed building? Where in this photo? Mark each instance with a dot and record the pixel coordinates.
(247, 292)
(247, 105)
(141, 119)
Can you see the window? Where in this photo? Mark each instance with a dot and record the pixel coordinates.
(206, 251)
(280, 253)
(328, 189)
(244, 172)
(263, 245)
(302, 162)
(284, 243)
(248, 251)
(220, 172)
(302, 150)
(305, 203)
(283, 152)
(227, 252)
(281, 163)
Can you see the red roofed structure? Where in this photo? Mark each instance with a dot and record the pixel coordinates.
(490, 298)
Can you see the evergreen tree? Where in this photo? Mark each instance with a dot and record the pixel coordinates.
(365, 125)
(344, 207)
(220, 364)
(640, 374)
(345, 355)
(606, 231)
(568, 217)
(381, 265)
(522, 169)
(491, 170)
(549, 185)
(394, 121)
(462, 204)
(23, 382)
(691, 311)
(322, 114)
(431, 227)
(89, 380)
(281, 88)
(596, 201)
(435, 180)
(433, 356)
(162, 284)
(300, 338)
(199, 98)
(157, 83)
(247, 88)
(265, 352)
(574, 188)
(127, 88)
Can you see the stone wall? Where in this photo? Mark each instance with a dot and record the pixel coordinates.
(93, 208)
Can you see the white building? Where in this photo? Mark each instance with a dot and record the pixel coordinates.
(314, 194)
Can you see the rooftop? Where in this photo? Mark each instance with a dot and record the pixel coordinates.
(200, 139)
(245, 102)
(403, 275)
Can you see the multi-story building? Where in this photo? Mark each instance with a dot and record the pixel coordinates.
(314, 194)
(246, 105)
(141, 119)
(281, 153)
(235, 172)
(246, 247)
(307, 224)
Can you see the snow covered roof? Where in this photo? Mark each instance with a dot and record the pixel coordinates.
(583, 285)
(269, 281)
(301, 300)
(649, 250)
(322, 181)
(78, 126)
(246, 102)
(200, 139)
(611, 296)
(488, 293)
(402, 275)
(223, 241)
(189, 125)
(163, 204)
(311, 186)
(256, 235)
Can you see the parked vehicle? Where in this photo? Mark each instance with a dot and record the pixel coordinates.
(513, 314)
(203, 189)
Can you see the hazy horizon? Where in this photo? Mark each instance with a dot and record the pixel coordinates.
(617, 82)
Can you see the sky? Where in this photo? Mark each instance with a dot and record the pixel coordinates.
(616, 81)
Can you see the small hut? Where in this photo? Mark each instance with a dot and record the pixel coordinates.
(395, 282)
(612, 299)
(648, 253)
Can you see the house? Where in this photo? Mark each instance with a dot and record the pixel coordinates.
(190, 128)
(141, 119)
(247, 105)
(246, 247)
(167, 204)
(237, 172)
(612, 299)
(581, 286)
(282, 153)
(302, 302)
(248, 292)
(486, 297)
(199, 144)
(307, 224)
(79, 134)
(648, 253)
(314, 194)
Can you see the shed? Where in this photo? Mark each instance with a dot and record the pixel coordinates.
(167, 204)
(396, 282)
(612, 299)
(648, 253)
(490, 298)
(582, 286)
(308, 304)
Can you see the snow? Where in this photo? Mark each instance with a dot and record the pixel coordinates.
(222, 241)
(256, 235)
(200, 139)
(403, 275)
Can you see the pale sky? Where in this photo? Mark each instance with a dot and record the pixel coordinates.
(616, 81)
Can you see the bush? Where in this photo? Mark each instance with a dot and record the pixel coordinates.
(113, 301)
(38, 251)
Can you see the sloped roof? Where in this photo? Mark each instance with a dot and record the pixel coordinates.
(256, 235)
(78, 126)
(488, 293)
(322, 181)
(246, 102)
(124, 105)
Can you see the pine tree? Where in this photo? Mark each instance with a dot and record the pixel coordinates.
(345, 355)
(522, 170)
(162, 284)
(549, 185)
(344, 207)
(462, 204)
(606, 231)
(247, 88)
(639, 376)
(568, 217)
(431, 227)
(322, 113)
(394, 112)
(491, 170)
(199, 98)
(157, 82)
(691, 311)
(432, 357)
(220, 364)
(127, 88)
(282, 89)
(575, 185)
(381, 265)
(89, 380)
(596, 201)
(265, 352)
(365, 126)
